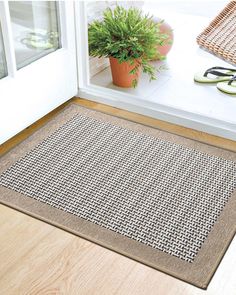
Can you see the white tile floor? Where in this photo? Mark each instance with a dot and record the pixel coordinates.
(144, 90)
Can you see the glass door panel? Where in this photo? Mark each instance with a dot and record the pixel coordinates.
(35, 27)
(3, 66)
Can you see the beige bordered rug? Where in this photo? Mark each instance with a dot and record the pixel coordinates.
(161, 199)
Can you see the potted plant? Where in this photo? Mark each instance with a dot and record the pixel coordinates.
(129, 39)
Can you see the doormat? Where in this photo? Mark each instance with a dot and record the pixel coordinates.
(161, 199)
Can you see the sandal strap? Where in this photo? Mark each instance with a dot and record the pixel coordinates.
(223, 68)
(232, 80)
(217, 73)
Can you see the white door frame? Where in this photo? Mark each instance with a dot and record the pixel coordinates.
(31, 92)
(8, 39)
(134, 103)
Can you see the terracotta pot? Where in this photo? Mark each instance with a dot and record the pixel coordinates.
(120, 73)
(165, 28)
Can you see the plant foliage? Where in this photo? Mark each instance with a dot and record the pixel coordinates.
(126, 34)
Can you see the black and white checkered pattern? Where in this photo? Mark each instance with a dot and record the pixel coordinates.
(161, 194)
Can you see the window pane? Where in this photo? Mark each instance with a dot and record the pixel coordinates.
(3, 65)
(35, 28)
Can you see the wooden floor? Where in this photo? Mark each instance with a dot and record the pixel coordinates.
(37, 258)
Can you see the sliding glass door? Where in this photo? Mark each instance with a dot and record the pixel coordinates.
(37, 61)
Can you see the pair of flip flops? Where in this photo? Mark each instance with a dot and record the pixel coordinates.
(225, 78)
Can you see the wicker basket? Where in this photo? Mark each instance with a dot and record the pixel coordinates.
(219, 37)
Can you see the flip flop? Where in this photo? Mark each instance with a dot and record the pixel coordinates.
(217, 74)
(228, 87)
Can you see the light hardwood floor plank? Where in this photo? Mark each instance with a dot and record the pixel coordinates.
(37, 258)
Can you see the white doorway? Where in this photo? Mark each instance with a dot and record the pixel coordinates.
(173, 97)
